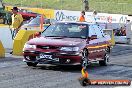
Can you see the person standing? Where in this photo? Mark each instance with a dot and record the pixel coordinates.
(82, 17)
(17, 19)
(95, 16)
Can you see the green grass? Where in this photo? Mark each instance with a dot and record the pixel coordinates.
(108, 6)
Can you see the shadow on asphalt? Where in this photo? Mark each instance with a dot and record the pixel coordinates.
(7, 59)
(74, 69)
(121, 49)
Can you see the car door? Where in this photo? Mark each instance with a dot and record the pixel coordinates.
(92, 43)
(101, 43)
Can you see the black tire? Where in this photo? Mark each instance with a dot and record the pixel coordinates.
(32, 64)
(106, 58)
(84, 61)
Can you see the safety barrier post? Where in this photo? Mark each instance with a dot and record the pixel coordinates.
(2, 50)
(21, 38)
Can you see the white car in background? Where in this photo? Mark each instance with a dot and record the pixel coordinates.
(35, 23)
(121, 39)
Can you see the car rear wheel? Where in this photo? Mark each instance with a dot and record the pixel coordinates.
(105, 60)
(84, 62)
(32, 64)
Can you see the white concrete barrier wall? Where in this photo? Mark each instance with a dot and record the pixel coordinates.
(6, 38)
(61, 15)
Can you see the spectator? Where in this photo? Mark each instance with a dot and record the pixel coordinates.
(123, 31)
(17, 19)
(17, 22)
(94, 12)
(95, 15)
(82, 17)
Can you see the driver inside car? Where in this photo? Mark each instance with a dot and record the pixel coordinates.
(83, 30)
(64, 30)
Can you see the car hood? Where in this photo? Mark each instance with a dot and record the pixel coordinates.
(57, 41)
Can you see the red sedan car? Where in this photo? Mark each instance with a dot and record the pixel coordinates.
(68, 43)
(26, 14)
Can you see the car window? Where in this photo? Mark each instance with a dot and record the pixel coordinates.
(73, 30)
(37, 21)
(76, 28)
(98, 31)
(91, 30)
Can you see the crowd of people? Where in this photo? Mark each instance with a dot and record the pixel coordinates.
(120, 32)
(117, 32)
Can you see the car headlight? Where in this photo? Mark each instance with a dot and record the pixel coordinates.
(69, 48)
(29, 46)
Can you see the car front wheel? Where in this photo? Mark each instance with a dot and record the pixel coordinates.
(105, 60)
(32, 64)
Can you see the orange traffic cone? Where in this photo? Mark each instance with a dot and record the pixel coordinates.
(84, 80)
(84, 73)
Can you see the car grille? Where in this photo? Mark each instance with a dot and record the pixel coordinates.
(47, 47)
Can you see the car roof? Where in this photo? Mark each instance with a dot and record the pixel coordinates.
(75, 22)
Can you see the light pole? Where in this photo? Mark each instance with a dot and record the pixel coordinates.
(85, 5)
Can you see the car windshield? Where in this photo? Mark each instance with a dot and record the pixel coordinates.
(70, 30)
(36, 21)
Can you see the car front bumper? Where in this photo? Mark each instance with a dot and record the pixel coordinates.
(57, 58)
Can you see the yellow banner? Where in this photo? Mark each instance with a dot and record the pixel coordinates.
(48, 13)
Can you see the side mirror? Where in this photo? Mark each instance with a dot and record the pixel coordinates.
(37, 34)
(93, 37)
